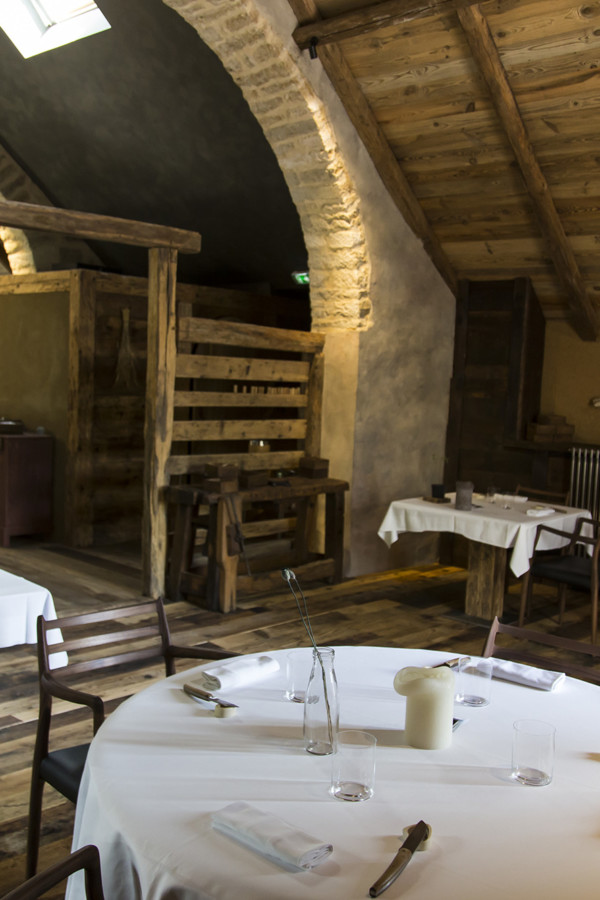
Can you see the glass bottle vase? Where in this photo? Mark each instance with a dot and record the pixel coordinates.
(321, 709)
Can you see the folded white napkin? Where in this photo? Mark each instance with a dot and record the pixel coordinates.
(540, 511)
(237, 673)
(542, 679)
(270, 836)
(509, 498)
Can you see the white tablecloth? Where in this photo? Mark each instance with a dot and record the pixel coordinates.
(21, 602)
(490, 523)
(161, 764)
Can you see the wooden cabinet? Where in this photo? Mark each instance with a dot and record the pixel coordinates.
(496, 384)
(25, 485)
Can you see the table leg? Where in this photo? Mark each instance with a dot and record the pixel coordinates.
(334, 532)
(229, 509)
(486, 576)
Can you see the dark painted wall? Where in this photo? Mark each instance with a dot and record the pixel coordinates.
(143, 122)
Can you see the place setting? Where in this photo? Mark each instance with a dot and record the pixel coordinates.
(432, 700)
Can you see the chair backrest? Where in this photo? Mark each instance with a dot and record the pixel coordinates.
(86, 859)
(564, 659)
(585, 534)
(132, 633)
(542, 494)
(97, 641)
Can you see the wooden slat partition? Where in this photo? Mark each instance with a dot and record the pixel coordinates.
(236, 383)
(247, 383)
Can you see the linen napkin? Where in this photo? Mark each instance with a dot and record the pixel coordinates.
(270, 836)
(509, 498)
(540, 511)
(529, 676)
(237, 673)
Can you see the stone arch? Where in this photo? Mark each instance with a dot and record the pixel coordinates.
(295, 123)
(17, 249)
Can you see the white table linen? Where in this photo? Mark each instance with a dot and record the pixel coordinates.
(21, 602)
(161, 765)
(488, 523)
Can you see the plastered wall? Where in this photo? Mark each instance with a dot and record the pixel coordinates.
(571, 378)
(34, 334)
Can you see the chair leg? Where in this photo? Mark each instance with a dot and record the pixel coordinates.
(562, 600)
(594, 615)
(34, 825)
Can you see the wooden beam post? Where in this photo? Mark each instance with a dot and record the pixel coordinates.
(486, 55)
(376, 143)
(79, 462)
(370, 18)
(95, 227)
(158, 429)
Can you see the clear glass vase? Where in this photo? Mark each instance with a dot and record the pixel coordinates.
(321, 710)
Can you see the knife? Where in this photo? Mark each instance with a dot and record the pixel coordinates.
(401, 859)
(206, 695)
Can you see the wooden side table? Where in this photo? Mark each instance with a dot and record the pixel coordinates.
(25, 485)
(223, 519)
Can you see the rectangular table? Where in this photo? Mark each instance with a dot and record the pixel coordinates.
(21, 602)
(492, 528)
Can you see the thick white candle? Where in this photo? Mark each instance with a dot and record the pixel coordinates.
(429, 705)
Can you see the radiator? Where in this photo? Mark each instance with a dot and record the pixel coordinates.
(585, 479)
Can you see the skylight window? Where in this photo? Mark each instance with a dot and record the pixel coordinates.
(38, 25)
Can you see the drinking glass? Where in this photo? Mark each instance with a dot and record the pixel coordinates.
(474, 681)
(353, 766)
(533, 752)
(298, 666)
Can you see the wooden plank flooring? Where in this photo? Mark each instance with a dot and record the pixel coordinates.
(421, 607)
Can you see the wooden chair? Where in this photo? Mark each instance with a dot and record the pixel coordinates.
(543, 495)
(125, 637)
(561, 661)
(567, 568)
(87, 859)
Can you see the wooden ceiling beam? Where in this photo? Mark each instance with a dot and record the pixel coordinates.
(97, 228)
(486, 55)
(370, 18)
(372, 136)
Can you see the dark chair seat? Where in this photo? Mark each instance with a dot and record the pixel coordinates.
(575, 571)
(569, 568)
(63, 769)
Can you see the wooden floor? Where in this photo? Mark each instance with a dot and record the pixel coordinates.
(406, 608)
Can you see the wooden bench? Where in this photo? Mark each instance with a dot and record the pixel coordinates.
(223, 525)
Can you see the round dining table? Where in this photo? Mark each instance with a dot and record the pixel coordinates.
(163, 763)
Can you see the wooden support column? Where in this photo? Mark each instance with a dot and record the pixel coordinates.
(486, 577)
(78, 472)
(314, 410)
(158, 429)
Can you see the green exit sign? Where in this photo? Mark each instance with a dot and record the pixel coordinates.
(301, 277)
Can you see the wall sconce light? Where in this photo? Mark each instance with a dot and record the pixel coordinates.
(595, 402)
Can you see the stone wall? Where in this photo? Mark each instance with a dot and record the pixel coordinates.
(388, 315)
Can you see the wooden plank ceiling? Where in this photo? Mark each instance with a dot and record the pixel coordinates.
(483, 121)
